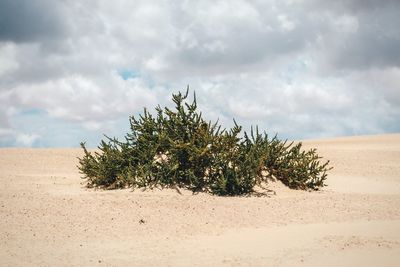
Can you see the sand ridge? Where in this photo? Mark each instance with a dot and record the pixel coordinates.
(48, 217)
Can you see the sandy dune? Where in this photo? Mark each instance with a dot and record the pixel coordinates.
(48, 218)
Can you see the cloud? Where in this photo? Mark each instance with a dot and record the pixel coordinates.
(309, 106)
(8, 62)
(26, 139)
(77, 98)
(300, 68)
(360, 34)
(30, 20)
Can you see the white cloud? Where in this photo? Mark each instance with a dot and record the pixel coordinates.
(286, 24)
(23, 139)
(6, 133)
(7, 59)
(78, 98)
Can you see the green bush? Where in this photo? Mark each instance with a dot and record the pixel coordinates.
(178, 148)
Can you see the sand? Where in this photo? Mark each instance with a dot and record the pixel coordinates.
(48, 217)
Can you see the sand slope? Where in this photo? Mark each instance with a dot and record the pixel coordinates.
(48, 218)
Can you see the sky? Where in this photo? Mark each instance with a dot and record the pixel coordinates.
(71, 71)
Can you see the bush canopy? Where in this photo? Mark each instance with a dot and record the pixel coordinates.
(178, 148)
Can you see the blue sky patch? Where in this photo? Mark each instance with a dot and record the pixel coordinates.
(128, 74)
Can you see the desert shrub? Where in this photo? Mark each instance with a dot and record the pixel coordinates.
(178, 148)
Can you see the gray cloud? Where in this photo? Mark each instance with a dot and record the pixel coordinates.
(361, 34)
(353, 6)
(27, 21)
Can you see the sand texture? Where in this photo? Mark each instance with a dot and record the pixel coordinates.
(48, 217)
